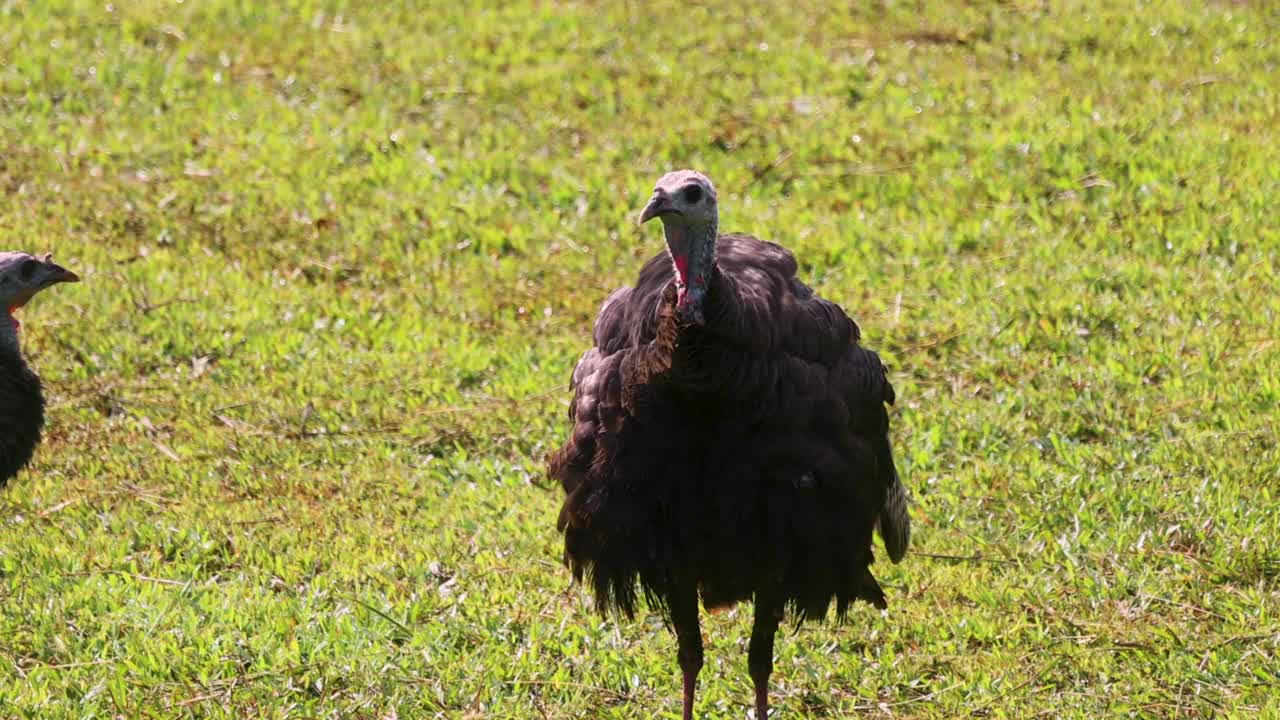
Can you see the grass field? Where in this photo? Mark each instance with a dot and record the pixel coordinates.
(339, 262)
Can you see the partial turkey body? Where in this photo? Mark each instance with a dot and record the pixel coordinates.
(730, 441)
(21, 400)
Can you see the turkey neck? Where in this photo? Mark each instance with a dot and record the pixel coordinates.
(9, 346)
(693, 254)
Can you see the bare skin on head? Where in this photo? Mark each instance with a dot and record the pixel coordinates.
(685, 201)
(22, 276)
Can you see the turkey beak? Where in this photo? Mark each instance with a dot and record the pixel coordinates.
(658, 205)
(58, 274)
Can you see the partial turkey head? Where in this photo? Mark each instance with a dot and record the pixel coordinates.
(685, 200)
(22, 276)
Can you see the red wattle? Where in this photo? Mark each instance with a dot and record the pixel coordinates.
(682, 267)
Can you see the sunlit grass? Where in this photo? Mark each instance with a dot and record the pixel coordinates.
(340, 260)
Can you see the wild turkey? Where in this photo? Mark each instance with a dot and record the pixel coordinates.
(730, 440)
(21, 400)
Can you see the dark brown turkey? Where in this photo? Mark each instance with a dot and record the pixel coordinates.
(21, 400)
(730, 441)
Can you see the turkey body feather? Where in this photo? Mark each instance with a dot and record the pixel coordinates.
(745, 456)
(21, 415)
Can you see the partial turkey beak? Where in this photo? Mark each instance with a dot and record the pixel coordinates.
(58, 274)
(658, 205)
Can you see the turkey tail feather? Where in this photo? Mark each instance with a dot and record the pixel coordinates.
(895, 523)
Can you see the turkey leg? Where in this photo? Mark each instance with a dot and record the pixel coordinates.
(684, 616)
(768, 614)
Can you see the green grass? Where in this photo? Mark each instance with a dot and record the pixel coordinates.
(340, 260)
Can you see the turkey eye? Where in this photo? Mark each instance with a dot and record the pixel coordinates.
(692, 194)
(28, 267)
